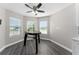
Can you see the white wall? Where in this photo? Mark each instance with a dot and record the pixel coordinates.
(76, 38)
(62, 25)
(2, 28)
(5, 38)
(11, 39)
(77, 18)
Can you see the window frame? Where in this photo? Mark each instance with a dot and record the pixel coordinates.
(47, 26)
(19, 26)
(27, 23)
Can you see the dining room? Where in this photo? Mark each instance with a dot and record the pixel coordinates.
(36, 28)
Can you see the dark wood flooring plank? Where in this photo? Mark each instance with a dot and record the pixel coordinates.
(45, 47)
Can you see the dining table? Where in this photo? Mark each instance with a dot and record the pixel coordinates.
(36, 36)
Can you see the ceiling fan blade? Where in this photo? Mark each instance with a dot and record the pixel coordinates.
(28, 6)
(29, 11)
(41, 11)
(39, 5)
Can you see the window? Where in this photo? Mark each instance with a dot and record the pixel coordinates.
(31, 26)
(14, 26)
(43, 26)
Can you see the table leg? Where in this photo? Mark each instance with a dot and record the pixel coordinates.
(36, 44)
(25, 38)
(39, 38)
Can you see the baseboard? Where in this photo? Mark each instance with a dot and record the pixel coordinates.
(9, 45)
(62, 46)
(59, 44)
(2, 49)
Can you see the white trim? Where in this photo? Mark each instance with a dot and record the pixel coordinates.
(59, 44)
(9, 45)
(2, 49)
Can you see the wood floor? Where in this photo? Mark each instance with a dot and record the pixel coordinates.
(46, 47)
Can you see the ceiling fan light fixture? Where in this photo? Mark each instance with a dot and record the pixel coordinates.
(35, 8)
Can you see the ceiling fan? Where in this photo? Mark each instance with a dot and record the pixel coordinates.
(35, 9)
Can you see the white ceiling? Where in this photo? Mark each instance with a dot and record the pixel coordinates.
(20, 8)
